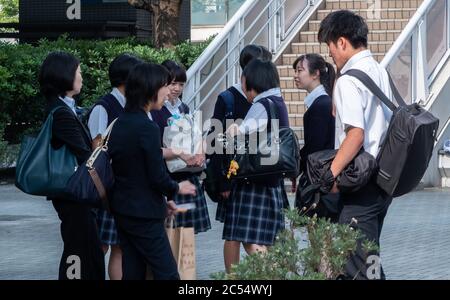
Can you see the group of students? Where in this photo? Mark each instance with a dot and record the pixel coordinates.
(340, 114)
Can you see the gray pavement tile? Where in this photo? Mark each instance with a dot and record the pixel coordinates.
(415, 243)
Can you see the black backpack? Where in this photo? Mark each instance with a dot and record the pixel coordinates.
(408, 146)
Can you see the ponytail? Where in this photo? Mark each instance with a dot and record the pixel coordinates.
(327, 78)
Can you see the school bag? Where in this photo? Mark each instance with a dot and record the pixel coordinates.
(41, 169)
(258, 161)
(408, 145)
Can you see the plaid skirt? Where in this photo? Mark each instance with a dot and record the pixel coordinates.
(198, 217)
(107, 228)
(254, 214)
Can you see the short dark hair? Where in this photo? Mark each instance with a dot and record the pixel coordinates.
(346, 24)
(176, 70)
(57, 74)
(120, 67)
(143, 84)
(261, 76)
(251, 52)
(316, 63)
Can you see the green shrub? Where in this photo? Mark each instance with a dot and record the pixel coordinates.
(20, 100)
(328, 246)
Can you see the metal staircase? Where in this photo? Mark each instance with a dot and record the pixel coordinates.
(411, 38)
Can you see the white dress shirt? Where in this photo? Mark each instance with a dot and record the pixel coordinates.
(357, 107)
(257, 118)
(98, 119)
(238, 87)
(70, 102)
(173, 109)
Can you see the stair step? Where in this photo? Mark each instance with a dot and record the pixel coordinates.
(374, 35)
(290, 95)
(376, 13)
(289, 58)
(296, 107)
(315, 47)
(385, 24)
(357, 4)
(296, 120)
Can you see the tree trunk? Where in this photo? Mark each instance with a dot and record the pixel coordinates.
(165, 17)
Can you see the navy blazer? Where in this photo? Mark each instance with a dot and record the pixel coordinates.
(141, 178)
(319, 128)
(68, 130)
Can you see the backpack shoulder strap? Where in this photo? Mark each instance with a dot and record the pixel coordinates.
(228, 98)
(370, 84)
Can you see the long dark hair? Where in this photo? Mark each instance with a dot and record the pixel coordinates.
(326, 71)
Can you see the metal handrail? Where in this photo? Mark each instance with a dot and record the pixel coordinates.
(232, 36)
(416, 31)
(407, 32)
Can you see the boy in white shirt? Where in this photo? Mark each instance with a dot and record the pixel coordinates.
(361, 122)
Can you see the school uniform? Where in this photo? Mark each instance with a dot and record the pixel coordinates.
(197, 218)
(106, 110)
(138, 199)
(255, 213)
(357, 107)
(221, 161)
(318, 124)
(78, 226)
(319, 131)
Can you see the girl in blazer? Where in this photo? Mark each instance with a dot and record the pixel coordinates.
(60, 80)
(142, 183)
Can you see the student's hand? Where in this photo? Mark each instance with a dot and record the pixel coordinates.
(171, 208)
(186, 188)
(199, 160)
(225, 195)
(334, 189)
(189, 159)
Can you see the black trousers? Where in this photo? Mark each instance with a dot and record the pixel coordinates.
(80, 236)
(368, 207)
(144, 242)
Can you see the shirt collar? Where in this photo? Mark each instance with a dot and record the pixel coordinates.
(238, 87)
(355, 58)
(70, 102)
(118, 95)
(272, 92)
(173, 108)
(316, 93)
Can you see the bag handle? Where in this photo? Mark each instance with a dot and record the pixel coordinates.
(371, 85)
(272, 112)
(106, 135)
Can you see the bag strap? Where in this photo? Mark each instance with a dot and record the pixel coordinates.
(106, 135)
(272, 112)
(310, 190)
(100, 188)
(371, 85)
